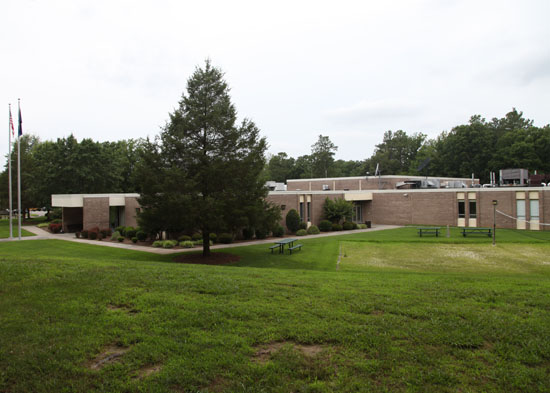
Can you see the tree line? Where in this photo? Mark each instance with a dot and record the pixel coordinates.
(67, 166)
(479, 147)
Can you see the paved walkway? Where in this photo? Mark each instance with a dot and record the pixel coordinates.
(42, 234)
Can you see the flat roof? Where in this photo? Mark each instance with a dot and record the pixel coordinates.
(77, 200)
(416, 190)
(383, 177)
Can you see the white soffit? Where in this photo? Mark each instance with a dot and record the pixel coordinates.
(74, 200)
(359, 196)
(117, 200)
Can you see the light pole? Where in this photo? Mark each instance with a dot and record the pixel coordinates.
(495, 203)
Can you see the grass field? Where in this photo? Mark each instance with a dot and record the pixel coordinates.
(397, 314)
(5, 229)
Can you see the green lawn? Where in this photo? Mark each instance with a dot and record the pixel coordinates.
(5, 229)
(400, 314)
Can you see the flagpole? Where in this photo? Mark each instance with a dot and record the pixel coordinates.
(20, 131)
(10, 130)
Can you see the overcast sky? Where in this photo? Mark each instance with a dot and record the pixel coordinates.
(110, 70)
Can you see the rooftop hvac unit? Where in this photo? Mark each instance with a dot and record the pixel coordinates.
(326, 187)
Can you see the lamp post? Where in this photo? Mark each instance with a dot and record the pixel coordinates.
(495, 203)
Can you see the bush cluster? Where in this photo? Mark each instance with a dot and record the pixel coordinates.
(187, 244)
(325, 226)
(313, 230)
(261, 233)
(302, 225)
(196, 236)
(55, 227)
(279, 231)
(141, 236)
(336, 227)
(347, 226)
(225, 238)
(169, 243)
(114, 236)
(301, 232)
(184, 238)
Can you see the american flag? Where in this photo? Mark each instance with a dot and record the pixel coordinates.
(11, 125)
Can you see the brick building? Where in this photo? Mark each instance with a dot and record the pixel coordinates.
(85, 211)
(397, 200)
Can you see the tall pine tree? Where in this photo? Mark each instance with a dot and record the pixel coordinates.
(206, 167)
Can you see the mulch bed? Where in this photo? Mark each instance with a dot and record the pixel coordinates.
(215, 258)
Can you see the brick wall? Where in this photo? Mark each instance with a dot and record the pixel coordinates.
(96, 212)
(130, 213)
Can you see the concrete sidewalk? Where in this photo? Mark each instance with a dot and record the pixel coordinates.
(42, 234)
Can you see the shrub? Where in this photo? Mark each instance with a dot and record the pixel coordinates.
(325, 226)
(196, 236)
(99, 236)
(336, 227)
(279, 231)
(56, 213)
(292, 220)
(197, 242)
(77, 235)
(248, 233)
(130, 232)
(105, 232)
(362, 226)
(337, 210)
(347, 226)
(184, 238)
(134, 239)
(120, 239)
(115, 235)
(55, 228)
(169, 243)
(301, 232)
(157, 243)
(56, 221)
(84, 234)
(187, 244)
(92, 235)
(141, 236)
(261, 233)
(354, 225)
(43, 225)
(302, 225)
(225, 238)
(213, 237)
(313, 230)
(120, 229)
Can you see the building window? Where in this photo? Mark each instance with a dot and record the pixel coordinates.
(283, 207)
(357, 213)
(520, 206)
(309, 211)
(301, 211)
(461, 209)
(473, 210)
(534, 209)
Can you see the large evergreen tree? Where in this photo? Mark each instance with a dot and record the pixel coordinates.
(204, 169)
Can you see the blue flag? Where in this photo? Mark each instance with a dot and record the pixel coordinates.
(20, 129)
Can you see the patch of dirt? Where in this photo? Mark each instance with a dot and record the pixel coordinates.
(377, 312)
(264, 353)
(107, 356)
(122, 307)
(217, 385)
(215, 258)
(146, 371)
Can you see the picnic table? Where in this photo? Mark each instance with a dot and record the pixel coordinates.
(477, 231)
(429, 230)
(281, 245)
